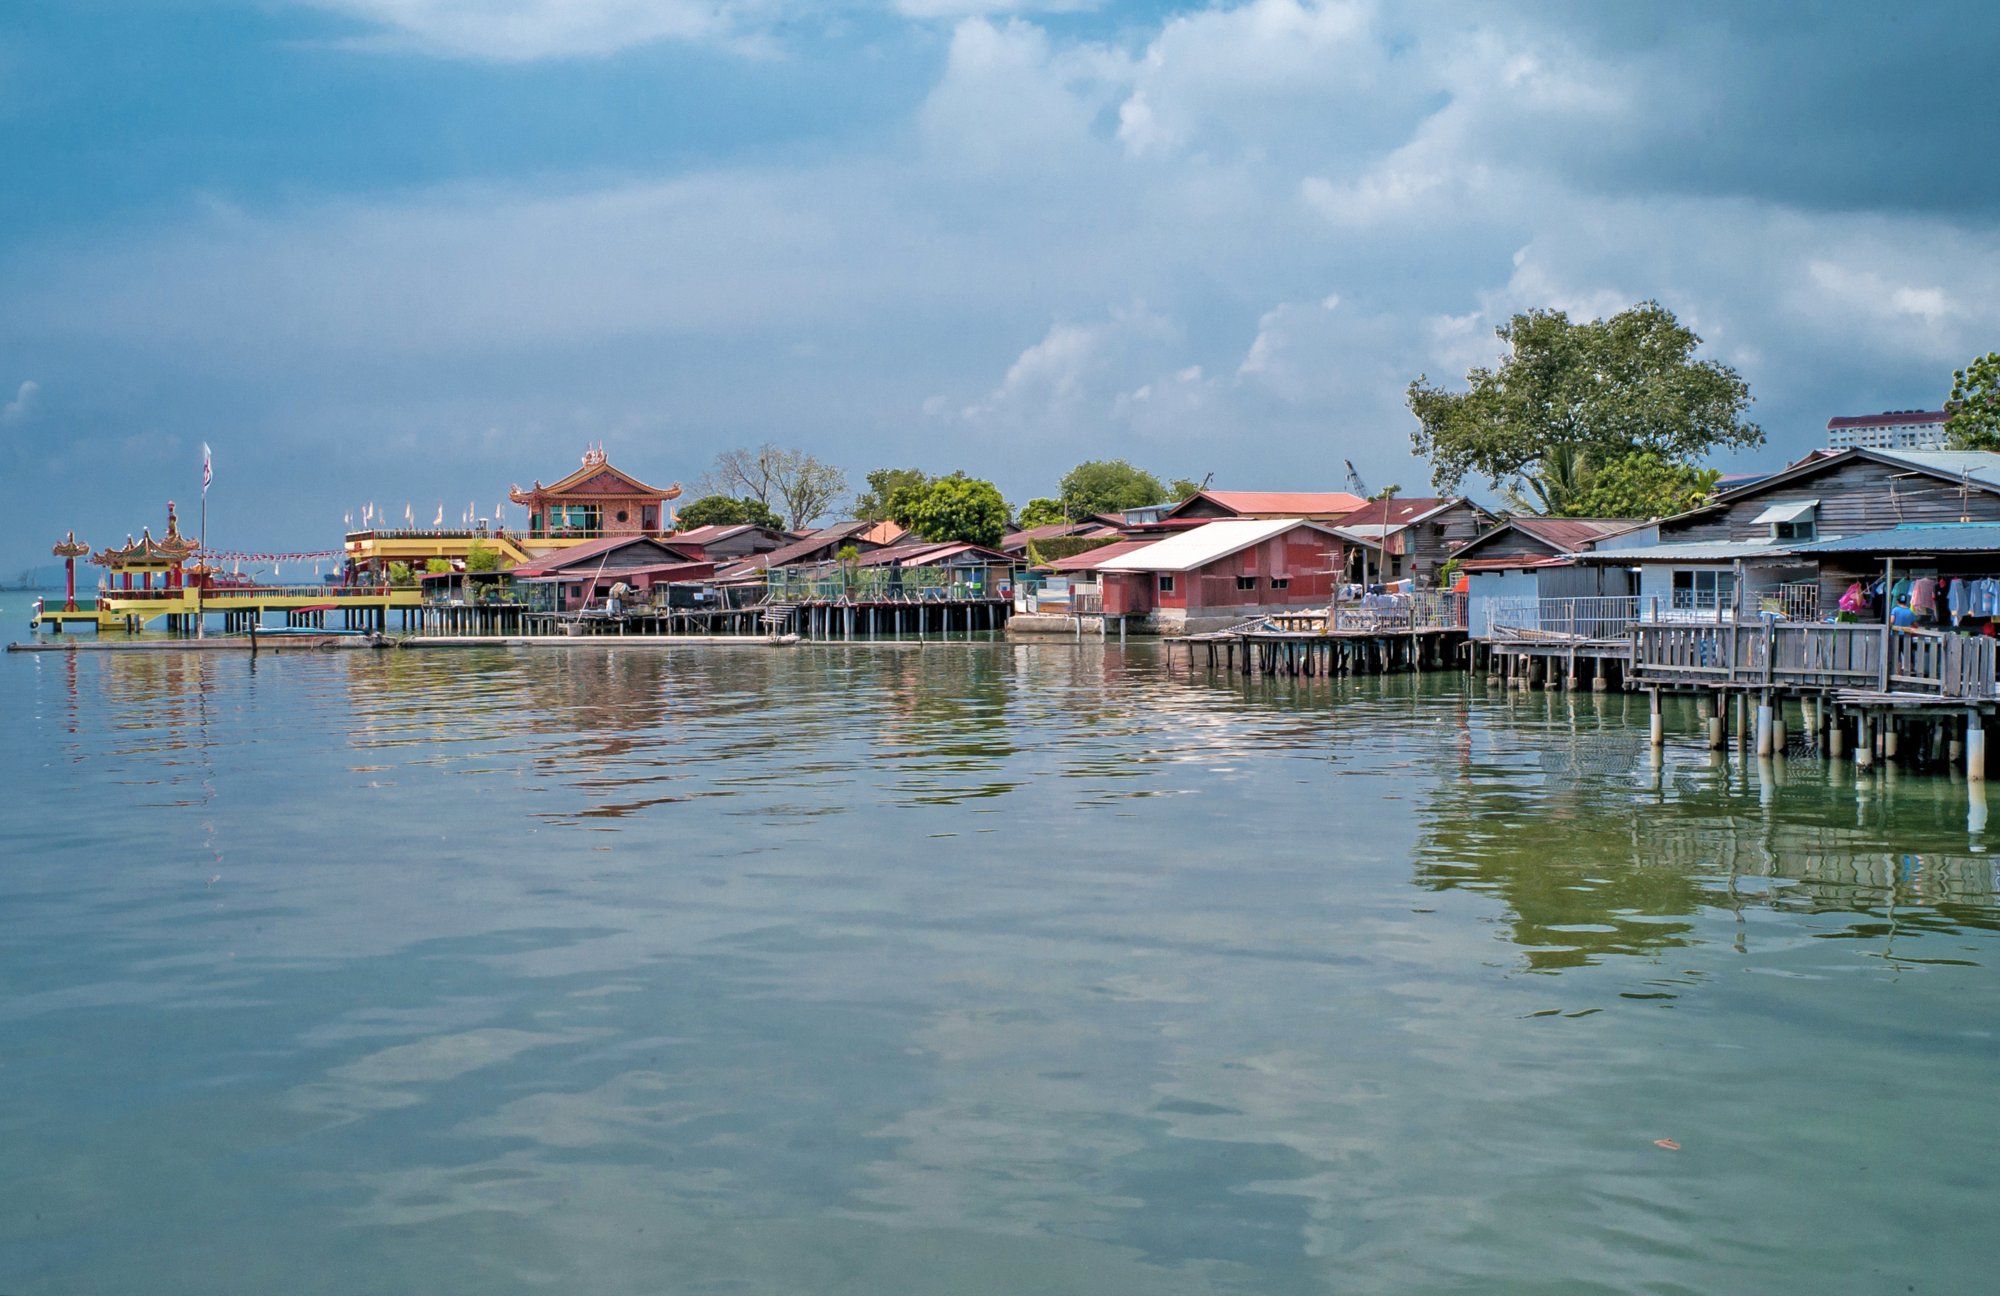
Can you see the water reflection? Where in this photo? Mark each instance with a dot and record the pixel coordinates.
(972, 967)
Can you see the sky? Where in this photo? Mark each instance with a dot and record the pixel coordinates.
(410, 252)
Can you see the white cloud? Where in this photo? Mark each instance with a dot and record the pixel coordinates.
(23, 404)
(521, 30)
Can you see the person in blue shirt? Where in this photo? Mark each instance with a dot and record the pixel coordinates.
(1902, 616)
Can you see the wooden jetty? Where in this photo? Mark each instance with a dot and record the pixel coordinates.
(1304, 643)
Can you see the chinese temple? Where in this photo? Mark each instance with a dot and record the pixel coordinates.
(147, 558)
(596, 500)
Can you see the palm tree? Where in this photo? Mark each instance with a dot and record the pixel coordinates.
(1555, 485)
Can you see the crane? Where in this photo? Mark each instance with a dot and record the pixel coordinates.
(1355, 486)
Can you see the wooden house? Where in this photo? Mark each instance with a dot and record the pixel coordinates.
(1223, 572)
(583, 574)
(1408, 537)
(1762, 547)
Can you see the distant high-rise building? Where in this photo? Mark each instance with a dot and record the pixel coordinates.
(1894, 430)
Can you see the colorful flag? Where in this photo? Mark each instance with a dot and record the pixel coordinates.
(207, 467)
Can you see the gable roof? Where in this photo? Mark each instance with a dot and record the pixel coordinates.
(1561, 535)
(1205, 544)
(594, 551)
(1272, 504)
(1397, 512)
(598, 477)
(1913, 538)
(1049, 531)
(1092, 559)
(1980, 468)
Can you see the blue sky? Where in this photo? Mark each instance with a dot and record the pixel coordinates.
(410, 251)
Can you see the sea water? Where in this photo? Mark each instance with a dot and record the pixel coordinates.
(969, 968)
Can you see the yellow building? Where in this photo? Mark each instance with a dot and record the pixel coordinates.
(595, 501)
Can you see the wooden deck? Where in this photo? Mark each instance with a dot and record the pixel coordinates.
(1818, 658)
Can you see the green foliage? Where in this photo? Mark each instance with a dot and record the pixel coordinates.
(1181, 488)
(1388, 492)
(436, 565)
(957, 507)
(725, 510)
(1040, 511)
(1108, 486)
(1033, 557)
(877, 503)
(1070, 546)
(1973, 412)
(482, 557)
(400, 574)
(1446, 575)
(1642, 486)
(1606, 390)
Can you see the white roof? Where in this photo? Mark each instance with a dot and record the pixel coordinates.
(1204, 544)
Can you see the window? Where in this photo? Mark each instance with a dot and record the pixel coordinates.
(1281, 582)
(1706, 590)
(1166, 584)
(1246, 582)
(1804, 529)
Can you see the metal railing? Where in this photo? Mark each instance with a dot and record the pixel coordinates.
(1584, 618)
(1419, 610)
(881, 584)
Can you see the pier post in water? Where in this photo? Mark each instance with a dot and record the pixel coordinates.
(1864, 740)
(1659, 732)
(1718, 724)
(1764, 725)
(1836, 737)
(1778, 736)
(1975, 747)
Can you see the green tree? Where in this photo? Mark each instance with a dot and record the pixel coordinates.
(1642, 485)
(957, 507)
(482, 557)
(1387, 492)
(1108, 486)
(1553, 486)
(1041, 511)
(1973, 413)
(724, 510)
(400, 574)
(877, 503)
(1181, 488)
(433, 566)
(1607, 389)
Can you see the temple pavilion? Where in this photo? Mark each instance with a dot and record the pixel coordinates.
(147, 559)
(595, 501)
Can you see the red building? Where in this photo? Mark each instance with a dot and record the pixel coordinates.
(1224, 572)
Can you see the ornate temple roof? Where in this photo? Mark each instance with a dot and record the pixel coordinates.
(173, 547)
(596, 477)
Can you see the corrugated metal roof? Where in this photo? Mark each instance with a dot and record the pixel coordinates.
(1092, 559)
(1927, 537)
(1205, 544)
(1694, 551)
(1982, 466)
(1295, 503)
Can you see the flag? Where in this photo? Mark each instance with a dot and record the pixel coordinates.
(409, 518)
(439, 521)
(207, 467)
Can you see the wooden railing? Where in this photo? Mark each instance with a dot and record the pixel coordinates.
(1875, 658)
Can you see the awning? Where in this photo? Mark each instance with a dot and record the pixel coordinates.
(1785, 512)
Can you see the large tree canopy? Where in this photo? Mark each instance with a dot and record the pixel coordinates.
(1108, 486)
(1973, 412)
(878, 502)
(1596, 393)
(723, 510)
(953, 508)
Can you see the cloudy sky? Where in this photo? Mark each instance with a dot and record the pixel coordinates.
(410, 251)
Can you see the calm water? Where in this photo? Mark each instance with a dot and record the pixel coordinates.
(979, 969)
